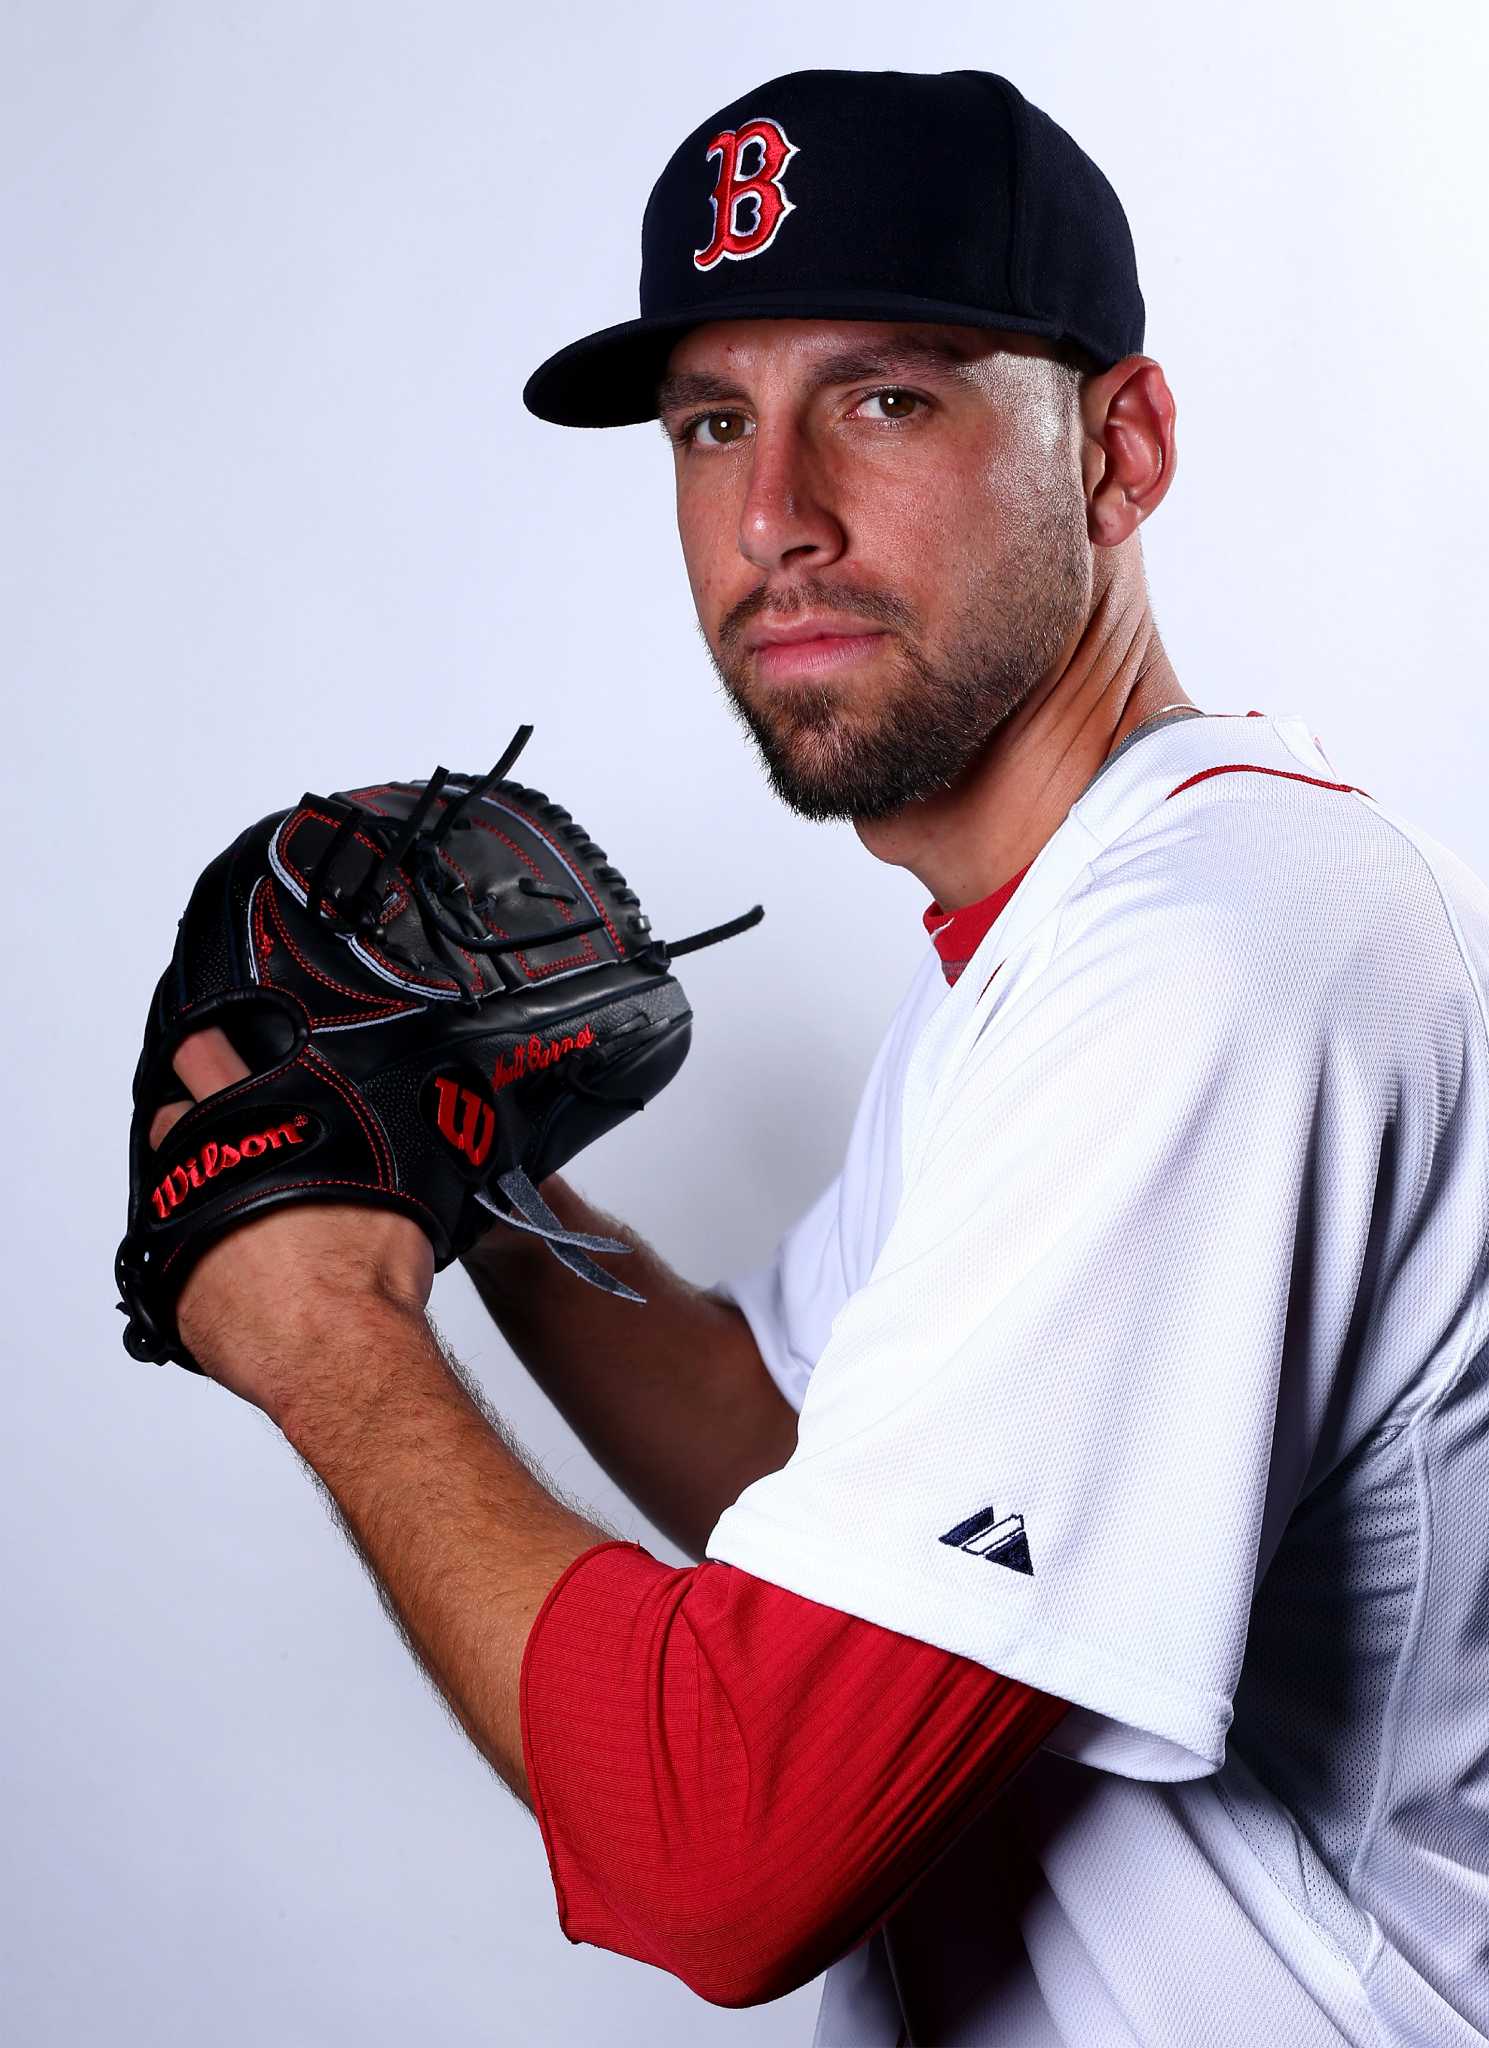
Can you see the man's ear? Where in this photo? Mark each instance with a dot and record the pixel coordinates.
(1128, 452)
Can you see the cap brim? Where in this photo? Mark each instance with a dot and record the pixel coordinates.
(610, 379)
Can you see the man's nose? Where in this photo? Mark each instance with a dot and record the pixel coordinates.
(787, 517)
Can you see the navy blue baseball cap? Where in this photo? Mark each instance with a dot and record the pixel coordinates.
(864, 195)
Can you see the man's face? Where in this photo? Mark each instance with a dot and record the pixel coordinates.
(885, 532)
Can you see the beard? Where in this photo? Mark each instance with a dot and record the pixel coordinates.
(833, 753)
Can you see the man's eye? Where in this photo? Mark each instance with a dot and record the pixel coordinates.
(893, 405)
(717, 429)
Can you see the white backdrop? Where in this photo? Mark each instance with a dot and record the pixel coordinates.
(273, 517)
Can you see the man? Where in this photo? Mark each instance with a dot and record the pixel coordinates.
(1090, 1641)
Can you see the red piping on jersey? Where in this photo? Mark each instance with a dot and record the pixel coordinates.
(956, 934)
(738, 1785)
(1252, 768)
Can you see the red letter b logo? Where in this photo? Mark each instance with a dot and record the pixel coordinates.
(749, 202)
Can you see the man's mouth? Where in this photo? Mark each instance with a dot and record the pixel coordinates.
(807, 647)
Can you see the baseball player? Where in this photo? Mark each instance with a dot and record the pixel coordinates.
(1089, 1642)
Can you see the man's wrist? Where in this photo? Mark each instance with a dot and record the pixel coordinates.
(342, 1358)
(502, 1251)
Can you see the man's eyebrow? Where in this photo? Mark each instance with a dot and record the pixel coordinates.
(849, 366)
(696, 387)
(883, 359)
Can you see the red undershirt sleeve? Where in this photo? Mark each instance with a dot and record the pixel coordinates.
(738, 1785)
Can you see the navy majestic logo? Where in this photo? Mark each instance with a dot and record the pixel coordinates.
(998, 1538)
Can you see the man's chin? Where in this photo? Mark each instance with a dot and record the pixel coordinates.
(825, 763)
(841, 790)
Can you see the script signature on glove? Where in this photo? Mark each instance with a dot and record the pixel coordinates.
(438, 993)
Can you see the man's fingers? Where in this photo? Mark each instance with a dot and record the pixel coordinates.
(204, 1062)
(163, 1119)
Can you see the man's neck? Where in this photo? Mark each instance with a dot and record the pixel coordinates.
(967, 842)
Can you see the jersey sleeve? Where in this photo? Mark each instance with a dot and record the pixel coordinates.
(1077, 1394)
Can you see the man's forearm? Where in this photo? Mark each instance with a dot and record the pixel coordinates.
(464, 1541)
(672, 1400)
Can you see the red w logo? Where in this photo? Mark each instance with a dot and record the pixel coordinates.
(464, 1119)
(748, 200)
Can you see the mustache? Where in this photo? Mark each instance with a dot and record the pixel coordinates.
(851, 599)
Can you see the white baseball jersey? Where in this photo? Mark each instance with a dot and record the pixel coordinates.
(1141, 1349)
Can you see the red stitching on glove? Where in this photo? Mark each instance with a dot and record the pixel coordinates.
(382, 1152)
(375, 1006)
(588, 957)
(398, 901)
(598, 906)
(293, 824)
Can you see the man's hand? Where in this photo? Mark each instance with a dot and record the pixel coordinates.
(255, 1304)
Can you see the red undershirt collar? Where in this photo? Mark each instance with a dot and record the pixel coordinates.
(956, 934)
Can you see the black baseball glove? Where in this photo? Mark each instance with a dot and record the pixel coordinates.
(444, 990)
